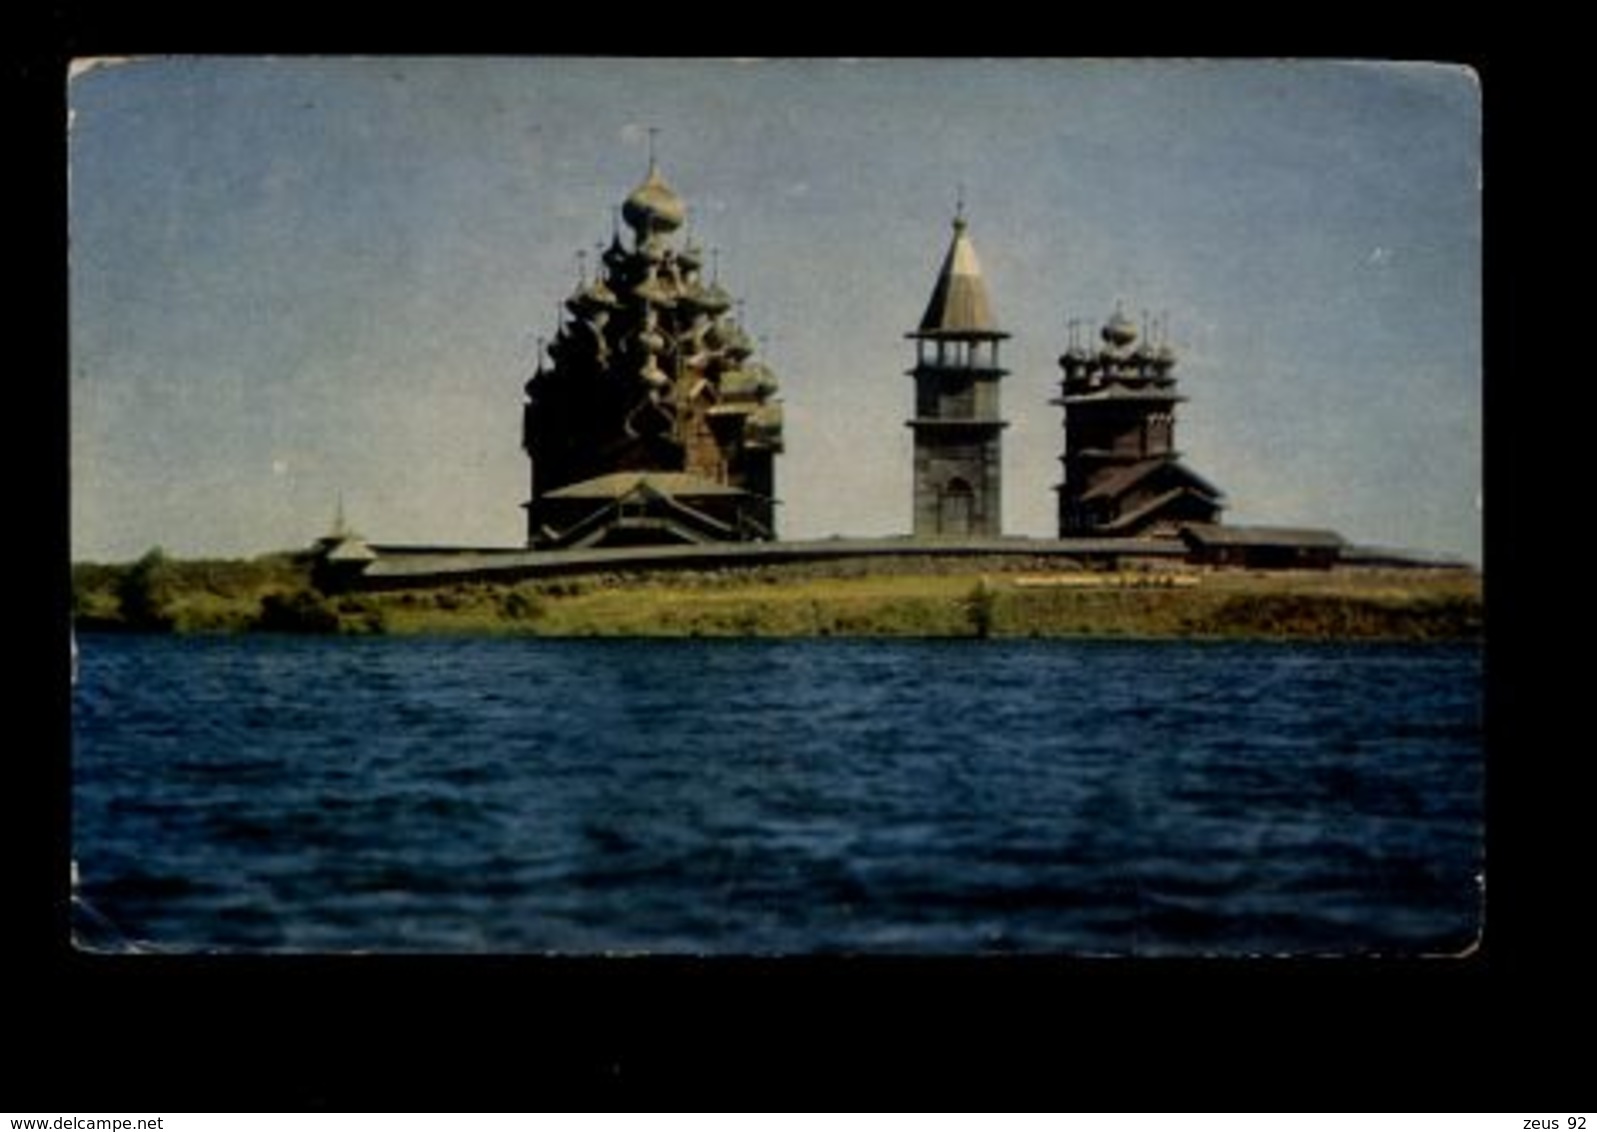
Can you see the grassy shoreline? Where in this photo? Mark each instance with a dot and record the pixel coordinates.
(936, 598)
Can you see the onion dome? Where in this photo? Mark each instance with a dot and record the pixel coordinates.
(670, 278)
(1142, 363)
(739, 385)
(704, 334)
(691, 257)
(715, 299)
(652, 248)
(1074, 358)
(654, 291)
(590, 300)
(695, 333)
(734, 340)
(763, 427)
(1119, 331)
(654, 206)
(653, 375)
(691, 300)
(651, 340)
(615, 255)
(765, 383)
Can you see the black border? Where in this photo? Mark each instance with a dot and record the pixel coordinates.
(417, 1033)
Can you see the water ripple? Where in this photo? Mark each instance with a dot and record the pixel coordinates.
(780, 796)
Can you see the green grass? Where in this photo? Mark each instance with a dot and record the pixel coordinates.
(765, 603)
(932, 599)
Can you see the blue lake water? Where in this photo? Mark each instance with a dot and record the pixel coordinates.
(780, 797)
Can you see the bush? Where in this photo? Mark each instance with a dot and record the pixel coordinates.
(361, 615)
(94, 596)
(981, 609)
(519, 606)
(298, 611)
(144, 593)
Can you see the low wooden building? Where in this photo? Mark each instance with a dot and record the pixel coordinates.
(1263, 548)
(647, 508)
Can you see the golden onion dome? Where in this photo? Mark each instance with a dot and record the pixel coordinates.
(654, 206)
(1119, 331)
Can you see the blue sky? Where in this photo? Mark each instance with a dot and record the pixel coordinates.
(293, 279)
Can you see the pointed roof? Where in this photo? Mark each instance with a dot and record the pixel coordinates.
(1132, 519)
(959, 303)
(351, 548)
(619, 485)
(1116, 483)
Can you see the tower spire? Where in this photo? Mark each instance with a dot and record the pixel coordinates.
(959, 301)
(653, 131)
(957, 452)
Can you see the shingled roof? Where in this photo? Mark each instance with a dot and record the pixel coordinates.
(959, 303)
(618, 485)
(1214, 534)
(1123, 479)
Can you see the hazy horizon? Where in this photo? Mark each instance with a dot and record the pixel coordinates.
(300, 280)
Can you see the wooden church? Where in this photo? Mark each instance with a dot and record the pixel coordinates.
(1123, 474)
(653, 423)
